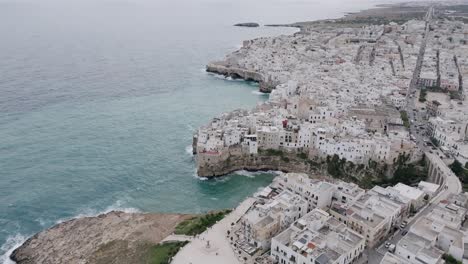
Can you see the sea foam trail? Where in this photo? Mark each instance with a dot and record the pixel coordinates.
(259, 93)
(189, 150)
(11, 244)
(117, 206)
(252, 174)
(195, 175)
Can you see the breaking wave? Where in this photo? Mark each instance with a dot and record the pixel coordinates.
(11, 244)
(89, 212)
(195, 175)
(189, 150)
(252, 174)
(259, 93)
(191, 128)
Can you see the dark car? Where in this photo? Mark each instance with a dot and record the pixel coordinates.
(404, 232)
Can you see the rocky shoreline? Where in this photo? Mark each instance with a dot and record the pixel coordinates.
(114, 237)
(238, 73)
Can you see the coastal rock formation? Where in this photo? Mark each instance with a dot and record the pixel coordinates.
(248, 24)
(213, 165)
(114, 237)
(257, 163)
(222, 68)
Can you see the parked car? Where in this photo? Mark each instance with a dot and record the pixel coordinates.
(387, 244)
(403, 225)
(404, 232)
(391, 248)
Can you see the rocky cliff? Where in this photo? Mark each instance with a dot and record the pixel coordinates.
(115, 237)
(239, 73)
(260, 162)
(233, 159)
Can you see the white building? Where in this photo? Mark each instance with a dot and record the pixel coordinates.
(317, 238)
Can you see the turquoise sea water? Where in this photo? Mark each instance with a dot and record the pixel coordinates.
(99, 101)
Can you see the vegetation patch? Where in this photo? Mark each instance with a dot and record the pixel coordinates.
(272, 152)
(460, 171)
(163, 253)
(422, 95)
(449, 259)
(302, 155)
(121, 251)
(407, 173)
(199, 224)
(404, 117)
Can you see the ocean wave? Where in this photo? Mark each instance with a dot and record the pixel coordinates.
(189, 150)
(252, 174)
(259, 93)
(222, 179)
(195, 175)
(224, 78)
(41, 222)
(11, 244)
(90, 212)
(191, 128)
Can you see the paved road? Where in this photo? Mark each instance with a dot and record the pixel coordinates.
(418, 130)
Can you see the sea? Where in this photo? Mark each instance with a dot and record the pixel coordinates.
(99, 101)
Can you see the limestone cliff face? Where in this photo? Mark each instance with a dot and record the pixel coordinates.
(213, 166)
(239, 73)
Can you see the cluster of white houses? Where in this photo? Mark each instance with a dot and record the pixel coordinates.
(448, 126)
(445, 67)
(440, 232)
(304, 220)
(338, 92)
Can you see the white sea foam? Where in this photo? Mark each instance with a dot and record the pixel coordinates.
(41, 221)
(252, 174)
(222, 179)
(258, 93)
(89, 212)
(224, 78)
(189, 150)
(191, 128)
(11, 244)
(195, 175)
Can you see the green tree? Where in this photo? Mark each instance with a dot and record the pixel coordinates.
(449, 259)
(457, 168)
